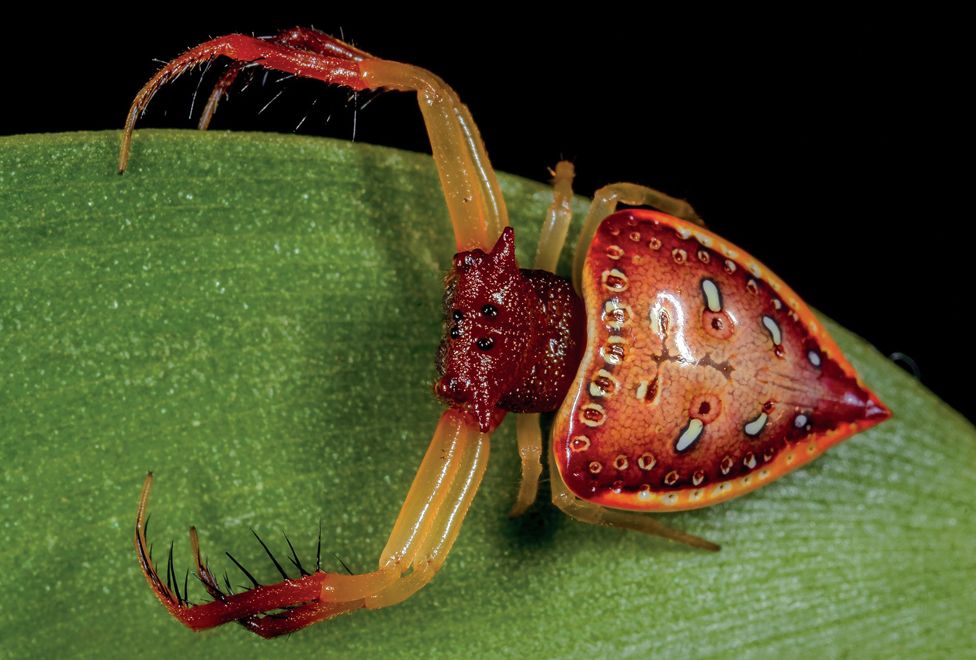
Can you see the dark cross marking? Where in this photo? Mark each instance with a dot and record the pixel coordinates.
(724, 368)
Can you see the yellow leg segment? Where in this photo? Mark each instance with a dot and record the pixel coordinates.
(605, 202)
(552, 237)
(473, 196)
(595, 514)
(529, 436)
(431, 555)
(429, 520)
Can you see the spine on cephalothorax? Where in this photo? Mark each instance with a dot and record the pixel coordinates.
(513, 338)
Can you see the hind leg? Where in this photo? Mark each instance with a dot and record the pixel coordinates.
(605, 202)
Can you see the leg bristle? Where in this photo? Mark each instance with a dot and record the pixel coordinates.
(344, 566)
(294, 557)
(318, 550)
(274, 559)
(243, 570)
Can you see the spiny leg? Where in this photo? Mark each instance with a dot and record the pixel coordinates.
(605, 202)
(474, 199)
(296, 37)
(595, 514)
(225, 608)
(423, 534)
(552, 237)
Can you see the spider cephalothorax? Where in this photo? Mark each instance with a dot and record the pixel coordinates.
(513, 338)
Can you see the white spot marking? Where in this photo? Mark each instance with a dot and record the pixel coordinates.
(814, 358)
(749, 461)
(671, 305)
(609, 357)
(598, 390)
(683, 232)
(615, 314)
(755, 269)
(641, 390)
(713, 299)
(704, 240)
(690, 435)
(670, 498)
(773, 328)
(580, 443)
(754, 427)
(614, 280)
(800, 421)
(777, 304)
(598, 411)
(730, 265)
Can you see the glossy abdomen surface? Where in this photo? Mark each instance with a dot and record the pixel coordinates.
(704, 375)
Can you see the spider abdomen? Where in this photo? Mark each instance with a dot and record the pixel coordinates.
(704, 375)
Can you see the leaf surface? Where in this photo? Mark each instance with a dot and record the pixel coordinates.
(254, 317)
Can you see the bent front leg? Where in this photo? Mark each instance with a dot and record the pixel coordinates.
(422, 537)
(473, 196)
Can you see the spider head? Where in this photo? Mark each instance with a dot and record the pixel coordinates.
(488, 325)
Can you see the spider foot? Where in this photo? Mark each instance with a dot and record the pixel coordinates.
(267, 610)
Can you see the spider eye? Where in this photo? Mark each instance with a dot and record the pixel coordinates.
(485, 343)
(455, 332)
(490, 311)
(457, 315)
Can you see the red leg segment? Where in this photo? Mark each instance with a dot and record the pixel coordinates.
(472, 193)
(242, 48)
(297, 37)
(268, 610)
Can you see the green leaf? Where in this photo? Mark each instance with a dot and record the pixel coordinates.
(254, 317)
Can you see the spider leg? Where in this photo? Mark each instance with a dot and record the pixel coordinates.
(559, 216)
(595, 514)
(529, 436)
(301, 593)
(605, 202)
(296, 37)
(552, 237)
(474, 199)
(422, 536)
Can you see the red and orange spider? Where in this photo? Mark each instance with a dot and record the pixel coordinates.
(682, 372)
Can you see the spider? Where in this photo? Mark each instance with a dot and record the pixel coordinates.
(682, 372)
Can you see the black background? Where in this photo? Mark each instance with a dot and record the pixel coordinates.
(830, 146)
